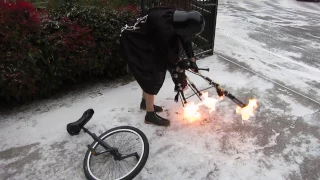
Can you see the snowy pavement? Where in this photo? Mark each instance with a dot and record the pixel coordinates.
(279, 39)
(282, 141)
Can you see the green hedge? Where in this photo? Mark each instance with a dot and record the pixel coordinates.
(42, 51)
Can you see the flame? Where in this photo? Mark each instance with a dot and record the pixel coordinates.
(247, 111)
(191, 112)
(209, 102)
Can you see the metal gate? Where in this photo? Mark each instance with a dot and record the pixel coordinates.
(204, 43)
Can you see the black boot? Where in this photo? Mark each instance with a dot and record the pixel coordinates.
(143, 106)
(153, 118)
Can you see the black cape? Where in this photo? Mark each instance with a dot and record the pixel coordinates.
(152, 48)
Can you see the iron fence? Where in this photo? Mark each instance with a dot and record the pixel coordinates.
(204, 43)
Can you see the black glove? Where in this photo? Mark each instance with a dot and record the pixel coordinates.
(194, 66)
(187, 64)
(183, 64)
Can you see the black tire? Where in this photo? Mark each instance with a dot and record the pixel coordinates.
(137, 168)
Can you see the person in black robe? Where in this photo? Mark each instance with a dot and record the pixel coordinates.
(150, 46)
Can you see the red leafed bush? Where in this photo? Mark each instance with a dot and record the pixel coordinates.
(19, 11)
(19, 24)
(67, 52)
(131, 8)
(41, 52)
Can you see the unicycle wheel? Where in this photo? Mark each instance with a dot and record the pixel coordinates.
(127, 140)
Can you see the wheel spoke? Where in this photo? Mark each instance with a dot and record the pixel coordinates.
(128, 145)
(103, 166)
(130, 148)
(121, 144)
(128, 141)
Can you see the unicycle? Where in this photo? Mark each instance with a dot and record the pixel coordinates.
(118, 153)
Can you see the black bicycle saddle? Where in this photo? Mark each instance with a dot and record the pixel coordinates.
(74, 128)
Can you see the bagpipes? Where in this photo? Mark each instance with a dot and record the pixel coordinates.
(220, 91)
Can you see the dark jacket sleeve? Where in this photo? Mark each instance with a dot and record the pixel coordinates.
(187, 46)
(166, 41)
(160, 26)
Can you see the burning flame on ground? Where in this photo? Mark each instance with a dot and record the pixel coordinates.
(247, 111)
(191, 110)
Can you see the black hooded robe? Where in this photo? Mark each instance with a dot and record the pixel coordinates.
(151, 48)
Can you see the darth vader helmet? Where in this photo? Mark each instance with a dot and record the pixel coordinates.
(188, 24)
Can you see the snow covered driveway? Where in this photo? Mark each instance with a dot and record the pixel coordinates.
(278, 39)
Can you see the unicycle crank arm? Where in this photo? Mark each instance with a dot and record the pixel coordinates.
(95, 153)
(102, 152)
(101, 142)
(122, 157)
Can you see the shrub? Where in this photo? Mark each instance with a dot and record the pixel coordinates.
(112, 4)
(18, 32)
(66, 54)
(106, 25)
(42, 51)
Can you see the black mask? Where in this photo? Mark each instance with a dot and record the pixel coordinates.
(188, 24)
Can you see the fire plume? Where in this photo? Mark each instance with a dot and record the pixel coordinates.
(247, 111)
(191, 110)
(192, 113)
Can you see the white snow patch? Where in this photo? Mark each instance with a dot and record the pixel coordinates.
(296, 108)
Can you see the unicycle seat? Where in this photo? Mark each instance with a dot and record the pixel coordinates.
(74, 128)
